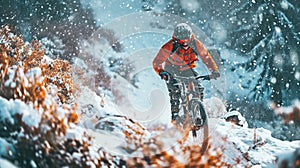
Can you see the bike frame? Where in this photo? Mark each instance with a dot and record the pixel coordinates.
(186, 85)
(192, 106)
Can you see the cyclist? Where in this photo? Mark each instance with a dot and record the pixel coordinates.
(178, 57)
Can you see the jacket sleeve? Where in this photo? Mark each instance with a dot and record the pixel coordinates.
(206, 57)
(162, 56)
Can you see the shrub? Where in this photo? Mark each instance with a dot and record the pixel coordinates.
(15, 54)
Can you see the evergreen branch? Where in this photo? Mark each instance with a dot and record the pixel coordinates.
(256, 54)
(284, 19)
(240, 9)
(259, 11)
(257, 90)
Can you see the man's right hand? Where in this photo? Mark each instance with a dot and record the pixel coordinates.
(164, 75)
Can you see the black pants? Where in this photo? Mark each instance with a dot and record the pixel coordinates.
(174, 90)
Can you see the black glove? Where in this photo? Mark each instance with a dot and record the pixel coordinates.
(215, 75)
(164, 75)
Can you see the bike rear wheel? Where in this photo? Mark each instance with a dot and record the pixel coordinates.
(199, 123)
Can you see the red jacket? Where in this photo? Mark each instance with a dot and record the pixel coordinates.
(184, 59)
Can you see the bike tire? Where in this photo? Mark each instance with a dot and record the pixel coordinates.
(196, 107)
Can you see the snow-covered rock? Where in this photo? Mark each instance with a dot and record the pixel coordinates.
(30, 116)
(214, 107)
(236, 117)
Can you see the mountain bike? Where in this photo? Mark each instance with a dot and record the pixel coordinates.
(192, 116)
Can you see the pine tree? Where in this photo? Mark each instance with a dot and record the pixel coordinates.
(268, 31)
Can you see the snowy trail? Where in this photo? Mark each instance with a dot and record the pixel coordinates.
(235, 143)
(113, 143)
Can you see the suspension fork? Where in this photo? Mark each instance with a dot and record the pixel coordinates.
(189, 88)
(195, 93)
(184, 99)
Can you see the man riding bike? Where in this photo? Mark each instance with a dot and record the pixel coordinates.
(178, 57)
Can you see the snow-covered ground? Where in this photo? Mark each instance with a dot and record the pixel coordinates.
(255, 147)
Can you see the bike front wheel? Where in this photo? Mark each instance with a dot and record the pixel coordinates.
(199, 123)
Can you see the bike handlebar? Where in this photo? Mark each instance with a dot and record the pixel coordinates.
(204, 77)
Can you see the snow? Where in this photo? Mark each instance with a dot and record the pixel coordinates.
(30, 116)
(297, 75)
(34, 74)
(214, 107)
(288, 109)
(143, 95)
(11, 74)
(108, 10)
(5, 114)
(263, 152)
(75, 133)
(190, 5)
(241, 120)
(284, 4)
(5, 148)
(6, 163)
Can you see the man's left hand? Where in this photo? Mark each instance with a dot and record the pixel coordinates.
(215, 75)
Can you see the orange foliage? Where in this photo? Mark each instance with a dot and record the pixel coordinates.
(34, 58)
(294, 116)
(288, 114)
(45, 145)
(14, 52)
(19, 86)
(17, 59)
(58, 73)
